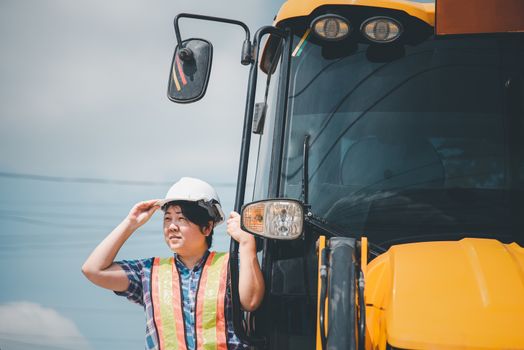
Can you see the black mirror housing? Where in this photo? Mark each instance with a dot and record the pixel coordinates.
(190, 70)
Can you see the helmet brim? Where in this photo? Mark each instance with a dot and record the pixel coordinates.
(216, 210)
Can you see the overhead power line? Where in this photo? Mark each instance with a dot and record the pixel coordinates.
(83, 179)
(40, 339)
(39, 222)
(62, 214)
(89, 180)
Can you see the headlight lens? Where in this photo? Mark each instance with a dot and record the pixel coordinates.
(381, 29)
(276, 219)
(331, 27)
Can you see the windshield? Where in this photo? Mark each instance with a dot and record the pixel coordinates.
(410, 143)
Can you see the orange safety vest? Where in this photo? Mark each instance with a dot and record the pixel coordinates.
(166, 295)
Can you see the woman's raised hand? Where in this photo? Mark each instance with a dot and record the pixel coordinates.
(142, 212)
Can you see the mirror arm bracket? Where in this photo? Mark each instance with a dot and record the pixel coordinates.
(186, 54)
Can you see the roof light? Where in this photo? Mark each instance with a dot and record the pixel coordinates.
(331, 27)
(276, 219)
(381, 29)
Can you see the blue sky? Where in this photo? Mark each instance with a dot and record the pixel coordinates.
(83, 95)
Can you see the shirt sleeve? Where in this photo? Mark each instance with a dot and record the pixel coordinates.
(134, 270)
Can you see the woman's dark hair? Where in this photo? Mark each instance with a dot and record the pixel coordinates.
(196, 214)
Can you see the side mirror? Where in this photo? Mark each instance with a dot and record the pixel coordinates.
(190, 71)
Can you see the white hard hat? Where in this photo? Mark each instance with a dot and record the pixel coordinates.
(195, 190)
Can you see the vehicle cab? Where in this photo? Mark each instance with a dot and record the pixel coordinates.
(372, 123)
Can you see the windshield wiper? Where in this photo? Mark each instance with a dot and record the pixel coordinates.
(305, 171)
(317, 222)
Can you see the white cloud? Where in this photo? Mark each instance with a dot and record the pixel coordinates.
(30, 325)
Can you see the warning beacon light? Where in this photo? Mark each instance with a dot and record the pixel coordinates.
(331, 27)
(381, 29)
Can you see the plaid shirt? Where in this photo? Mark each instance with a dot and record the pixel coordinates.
(139, 274)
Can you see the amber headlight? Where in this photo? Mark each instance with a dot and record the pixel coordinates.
(331, 27)
(381, 29)
(276, 218)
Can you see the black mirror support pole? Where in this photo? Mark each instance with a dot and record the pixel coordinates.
(186, 53)
(241, 184)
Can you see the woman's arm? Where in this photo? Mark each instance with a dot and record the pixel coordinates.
(99, 267)
(251, 282)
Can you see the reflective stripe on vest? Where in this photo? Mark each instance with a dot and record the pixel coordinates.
(210, 321)
(166, 296)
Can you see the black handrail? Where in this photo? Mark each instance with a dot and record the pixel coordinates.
(241, 183)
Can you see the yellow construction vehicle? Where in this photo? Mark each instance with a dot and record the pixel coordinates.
(388, 197)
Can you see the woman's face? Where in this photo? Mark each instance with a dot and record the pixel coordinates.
(181, 235)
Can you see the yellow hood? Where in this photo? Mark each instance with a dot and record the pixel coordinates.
(467, 294)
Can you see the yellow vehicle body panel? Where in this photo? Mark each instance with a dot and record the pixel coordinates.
(466, 294)
(298, 8)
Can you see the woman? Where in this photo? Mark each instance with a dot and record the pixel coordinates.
(186, 297)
